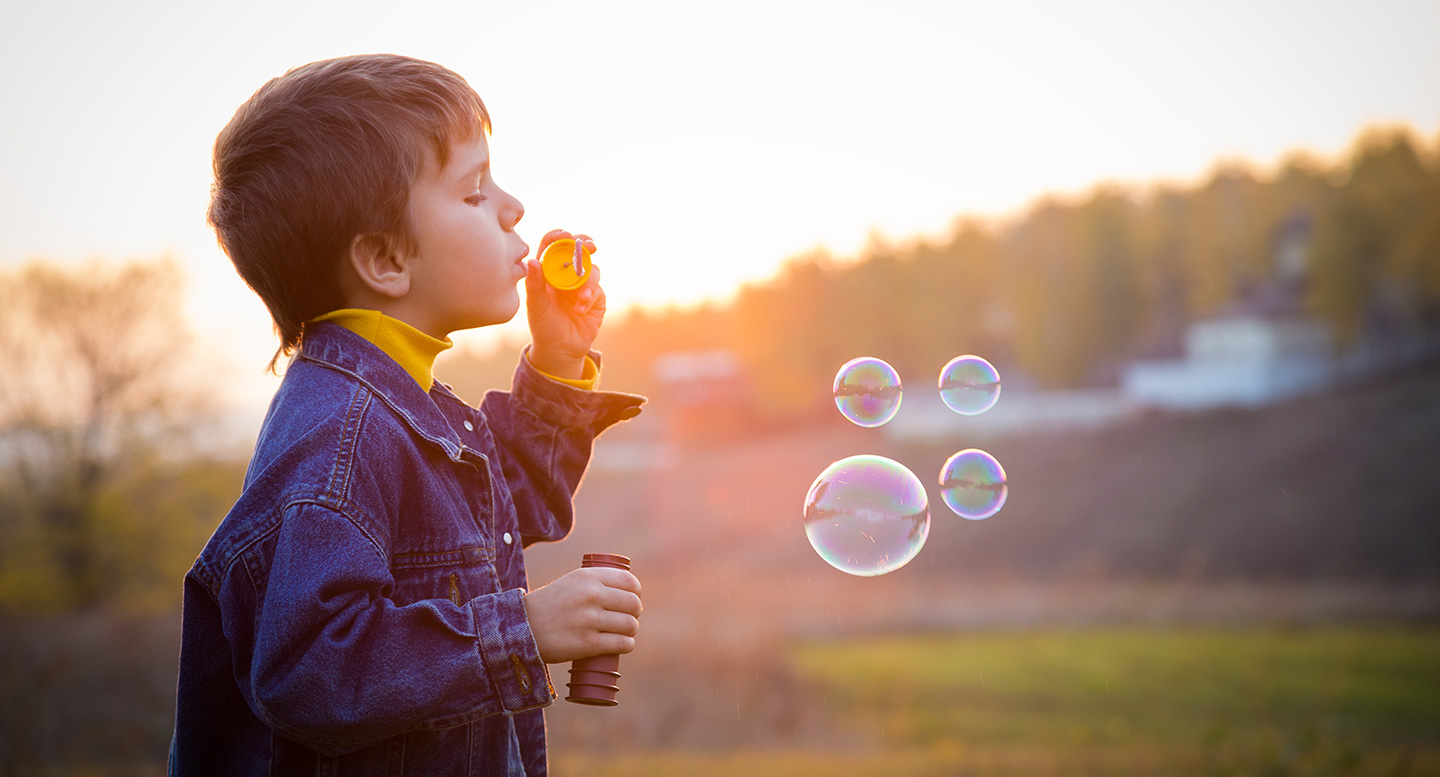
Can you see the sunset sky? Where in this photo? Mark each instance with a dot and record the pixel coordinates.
(699, 147)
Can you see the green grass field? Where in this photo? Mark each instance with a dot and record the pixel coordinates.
(1267, 701)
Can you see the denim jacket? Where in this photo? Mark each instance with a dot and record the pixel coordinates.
(360, 609)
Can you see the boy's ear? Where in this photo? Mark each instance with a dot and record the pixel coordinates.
(380, 264)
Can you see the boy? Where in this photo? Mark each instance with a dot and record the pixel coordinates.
(363, 608)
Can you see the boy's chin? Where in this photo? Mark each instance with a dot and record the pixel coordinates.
(495, 317)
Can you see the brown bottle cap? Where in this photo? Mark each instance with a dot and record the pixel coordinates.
(613, 560)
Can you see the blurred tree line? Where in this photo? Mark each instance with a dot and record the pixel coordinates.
(1072, 288)
(106, 493)
(104, 499)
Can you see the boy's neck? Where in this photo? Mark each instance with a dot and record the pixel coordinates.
(411, 348)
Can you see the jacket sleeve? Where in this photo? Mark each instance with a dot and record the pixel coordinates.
(545, 430)
(325, 656)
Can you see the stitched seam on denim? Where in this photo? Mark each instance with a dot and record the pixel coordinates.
(521, 676)
(450, 396)
(265, 714)
(444, 444)
(239, 555)
(343, 511)
(469, 750)
(508, 649)
(462, 719)
(491, 512)
(300, 736)
(349, 440)
(213, 576)
(553, 456)
(440, 558)
(208, 581)
(250, 574)
(439, 724)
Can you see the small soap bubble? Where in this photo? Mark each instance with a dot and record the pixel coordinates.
(969, 385)
(972, 483)
(867, 391)
(867, 515)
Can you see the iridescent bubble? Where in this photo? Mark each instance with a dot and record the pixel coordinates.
(972, 482)
(867, 391)
(969, 385)
(867, 515)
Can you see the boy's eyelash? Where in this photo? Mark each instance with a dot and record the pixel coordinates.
(475, 199)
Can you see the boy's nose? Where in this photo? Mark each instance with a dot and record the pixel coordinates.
(515, 212)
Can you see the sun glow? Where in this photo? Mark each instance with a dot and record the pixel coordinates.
(700, 145)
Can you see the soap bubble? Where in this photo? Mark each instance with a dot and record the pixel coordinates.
(969, 385)
(867, 391)
(972, 482)
(867, 515)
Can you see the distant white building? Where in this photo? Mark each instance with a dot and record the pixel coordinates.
(1263, 349)
(1241, 357)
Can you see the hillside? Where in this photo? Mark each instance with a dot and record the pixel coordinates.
(1338, 492)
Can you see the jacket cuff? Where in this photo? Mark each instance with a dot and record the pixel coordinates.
(588, 381)
(522, 681)
(567, 406)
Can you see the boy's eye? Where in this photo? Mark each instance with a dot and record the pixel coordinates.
(475, 199)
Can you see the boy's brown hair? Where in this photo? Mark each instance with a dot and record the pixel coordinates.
(324, 153)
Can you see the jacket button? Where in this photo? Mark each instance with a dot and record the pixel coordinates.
(508, 539)
(469, 427)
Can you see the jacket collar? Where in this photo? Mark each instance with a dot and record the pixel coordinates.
(337, 348)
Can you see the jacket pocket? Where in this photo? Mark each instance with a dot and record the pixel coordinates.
(457, 575)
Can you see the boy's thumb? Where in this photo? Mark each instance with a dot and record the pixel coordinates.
(534, 281)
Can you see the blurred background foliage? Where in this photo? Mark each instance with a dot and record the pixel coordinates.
(1070, 289)
(111, 479)
(105, 487)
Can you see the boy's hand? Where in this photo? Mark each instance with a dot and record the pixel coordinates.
(592, 611)
(563, 324)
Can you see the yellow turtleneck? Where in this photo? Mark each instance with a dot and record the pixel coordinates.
(412, 349)
(416, 351)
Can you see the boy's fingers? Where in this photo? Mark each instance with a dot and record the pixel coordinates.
(550, 237)
(553, 235)
(623, 602)
(618, 623)
(590, 294)
(613, 643)
(617, 578)
(534, 282)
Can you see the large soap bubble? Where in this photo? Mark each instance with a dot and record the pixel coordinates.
(867, 515)
(972, 483)
(867, 391)
(969, 385)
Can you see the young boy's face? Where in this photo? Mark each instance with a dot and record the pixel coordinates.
(468, 258)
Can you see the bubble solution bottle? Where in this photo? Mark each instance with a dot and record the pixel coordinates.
(593, 680)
